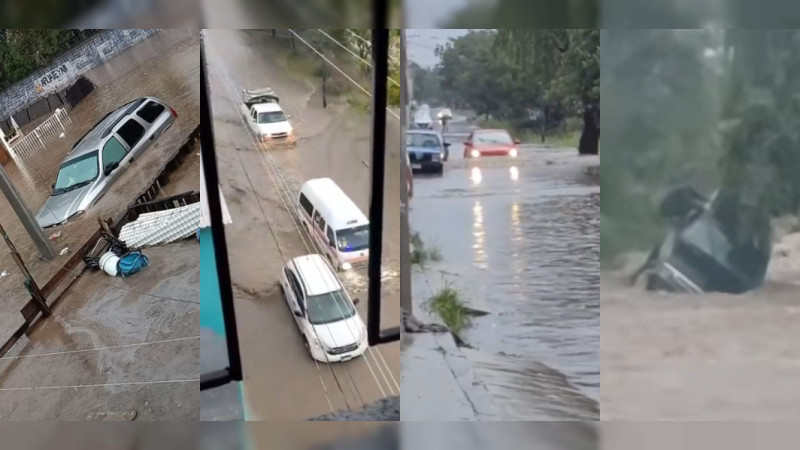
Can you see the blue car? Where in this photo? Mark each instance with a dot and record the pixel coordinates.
(427, 151)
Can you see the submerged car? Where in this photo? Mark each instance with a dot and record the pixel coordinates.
(490, 143)
(426, 150)
(98, 159)
(697, 255)
(330, 326)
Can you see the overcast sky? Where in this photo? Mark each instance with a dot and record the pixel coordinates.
(422, 43)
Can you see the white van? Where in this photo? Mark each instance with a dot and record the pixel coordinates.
(335, 223)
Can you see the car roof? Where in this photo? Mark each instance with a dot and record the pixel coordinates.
(92, 140)
(267, 107)
(315, 274)
(491, 130)
(338, 210)
(422, 131)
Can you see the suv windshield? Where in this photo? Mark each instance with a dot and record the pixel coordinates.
(271, 117)
(353, 239)
(429, 140)
(77, 172)
(493, 138)
(328, 308)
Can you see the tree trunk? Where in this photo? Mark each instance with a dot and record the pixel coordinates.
(590, 137)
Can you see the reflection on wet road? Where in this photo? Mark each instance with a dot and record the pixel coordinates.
(522, 235)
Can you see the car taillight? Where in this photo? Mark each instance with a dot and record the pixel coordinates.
(173, 112)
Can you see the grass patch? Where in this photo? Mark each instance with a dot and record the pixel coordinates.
(448, 305)
(421, 254)
(569, 140)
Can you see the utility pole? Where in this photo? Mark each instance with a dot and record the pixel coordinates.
(46, 249)
(406, 304)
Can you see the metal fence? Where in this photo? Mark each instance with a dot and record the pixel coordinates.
(38, 138)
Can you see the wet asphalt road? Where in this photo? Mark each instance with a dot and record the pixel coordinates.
(519, 238)
(281, 381)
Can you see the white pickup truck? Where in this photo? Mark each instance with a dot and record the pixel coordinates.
(267, 120)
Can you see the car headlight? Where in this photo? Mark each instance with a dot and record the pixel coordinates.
(475, 153)
(346, 266)
(512, 153)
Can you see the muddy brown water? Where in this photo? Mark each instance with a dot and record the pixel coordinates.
(700, 357)
(281, 381)
(165, 66)
(519, 238)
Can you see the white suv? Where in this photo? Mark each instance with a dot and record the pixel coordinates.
(331, 328)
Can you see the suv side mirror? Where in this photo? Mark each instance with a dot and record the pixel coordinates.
(110, 167)
(298, 313)
(446, 144)
(517, 141)
(53, 186)
(466, 142)
(356, 301)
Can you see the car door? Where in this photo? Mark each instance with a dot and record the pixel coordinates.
(318, 228)
(134, 135)
(114, 151)
(297, 303)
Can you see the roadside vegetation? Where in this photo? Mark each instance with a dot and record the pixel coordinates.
(730, 128)
(538, 83)
(448, 305)
(355, 61)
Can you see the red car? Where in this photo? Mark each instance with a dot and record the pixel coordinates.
(490, 143)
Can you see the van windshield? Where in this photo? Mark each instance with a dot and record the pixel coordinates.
(353, 239)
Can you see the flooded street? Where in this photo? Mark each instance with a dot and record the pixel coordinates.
(113, 347)
(164, 66)
(519, 239)
(260, 186)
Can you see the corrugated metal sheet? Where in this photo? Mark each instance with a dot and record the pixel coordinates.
(162, 227)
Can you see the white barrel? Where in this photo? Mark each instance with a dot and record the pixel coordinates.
(108, 262)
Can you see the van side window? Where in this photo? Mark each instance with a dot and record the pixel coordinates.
(319, 220)
(331, 237)
(150, 111)
(131, 133)
(309, 209)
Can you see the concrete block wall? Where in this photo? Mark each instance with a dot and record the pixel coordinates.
(38, 93)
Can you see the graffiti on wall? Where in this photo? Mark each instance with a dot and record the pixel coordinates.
(61, 75)
(51, 77)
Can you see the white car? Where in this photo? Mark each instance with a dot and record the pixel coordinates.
(266, 117)
(327, 318)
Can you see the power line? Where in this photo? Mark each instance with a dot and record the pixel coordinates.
(354, 54)
(364, 40)
(339, 70)
(96, 349)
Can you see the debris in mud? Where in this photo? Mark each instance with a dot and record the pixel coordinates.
(55, 236)
(4, 274)
(162, 227)
(64, 251)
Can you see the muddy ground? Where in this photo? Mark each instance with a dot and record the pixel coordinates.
(281, 381)
(519, 240)
(710, 357)
(165, 66)
(157, 307)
